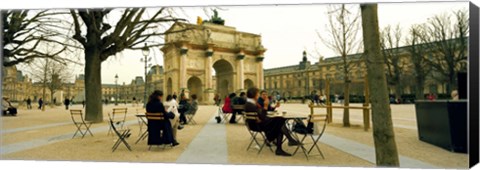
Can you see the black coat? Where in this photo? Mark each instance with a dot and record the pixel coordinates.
(271, 126)
(159, 131)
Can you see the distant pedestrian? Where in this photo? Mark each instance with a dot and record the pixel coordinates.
(66, 103)
(29, 103)
(40, 103)
(54, 101)
(83, 103)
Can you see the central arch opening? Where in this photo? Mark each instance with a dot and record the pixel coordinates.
(195, 86)
(224, 77)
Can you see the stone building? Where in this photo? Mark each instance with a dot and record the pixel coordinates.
(305, 79)
(15, 85)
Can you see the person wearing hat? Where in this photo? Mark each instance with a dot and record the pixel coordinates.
(8, 108)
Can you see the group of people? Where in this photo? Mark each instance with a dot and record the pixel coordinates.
(232, 100)
(174, 113)
(274, 128)
(255, 101)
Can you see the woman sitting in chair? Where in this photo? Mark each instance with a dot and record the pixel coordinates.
(227, 106)
(155, 137)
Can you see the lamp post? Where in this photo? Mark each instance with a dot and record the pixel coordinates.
(116, 89)
(145, 51)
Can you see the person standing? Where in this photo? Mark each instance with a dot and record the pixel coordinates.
(83, 103)
(66, 103)
(40, 103)
(29, 103)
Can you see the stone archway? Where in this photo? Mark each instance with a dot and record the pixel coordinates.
(234, 55)
(224, 77)
(194, 85)
(169, 86)
(247, 83)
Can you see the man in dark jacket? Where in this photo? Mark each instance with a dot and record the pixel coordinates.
(238, 100)
(66, 103)
(155, 105)
(271, 126)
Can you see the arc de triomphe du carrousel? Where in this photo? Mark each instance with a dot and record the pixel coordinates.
(209, 59)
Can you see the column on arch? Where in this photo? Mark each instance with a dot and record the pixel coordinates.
(260, 72)
(183, 68)
(240, 71)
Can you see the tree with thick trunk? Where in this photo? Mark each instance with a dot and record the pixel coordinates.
(343, 29)
(384, 137)
(93, 31)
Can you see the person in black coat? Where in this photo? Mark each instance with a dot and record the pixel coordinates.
(183, 106)
(271, 126)
(156, 127)
(66, 103)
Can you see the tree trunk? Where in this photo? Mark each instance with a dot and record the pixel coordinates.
(346, 97)
(93, 85)
(384, 138)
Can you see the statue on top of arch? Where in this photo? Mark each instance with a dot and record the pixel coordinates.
(215, 19)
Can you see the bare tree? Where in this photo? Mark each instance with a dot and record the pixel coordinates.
(448, 44)
(386, 153)
(343, 29)
(51, 74)
(417, 48)
(101, 40)
(24, 32)
(390, 43)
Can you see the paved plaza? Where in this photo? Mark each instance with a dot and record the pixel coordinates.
(37, 135)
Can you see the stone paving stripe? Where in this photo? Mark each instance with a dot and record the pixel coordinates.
(367, 152)
(208, 147)
(21, 146)
(42, 126)
(34, 127)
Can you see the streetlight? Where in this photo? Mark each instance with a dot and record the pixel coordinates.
(116, 89)
(145, 51)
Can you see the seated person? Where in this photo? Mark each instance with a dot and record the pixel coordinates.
(8, 108)
(182, 108)
(227, 106)
(193, 106)
(239, 100)
(264, 101)
(155, 105)
(271, 126)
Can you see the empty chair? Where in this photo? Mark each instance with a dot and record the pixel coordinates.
(118, 117)
(122, 135)
(313, 118)
(82, 126)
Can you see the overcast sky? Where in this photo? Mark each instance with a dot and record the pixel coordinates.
(287, 30)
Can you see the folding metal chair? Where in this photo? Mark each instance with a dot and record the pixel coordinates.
(252, 123)
(190, 115)
(122, 134)
(77, 118)
(313, 118)
(225, 116)
(119, 116)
